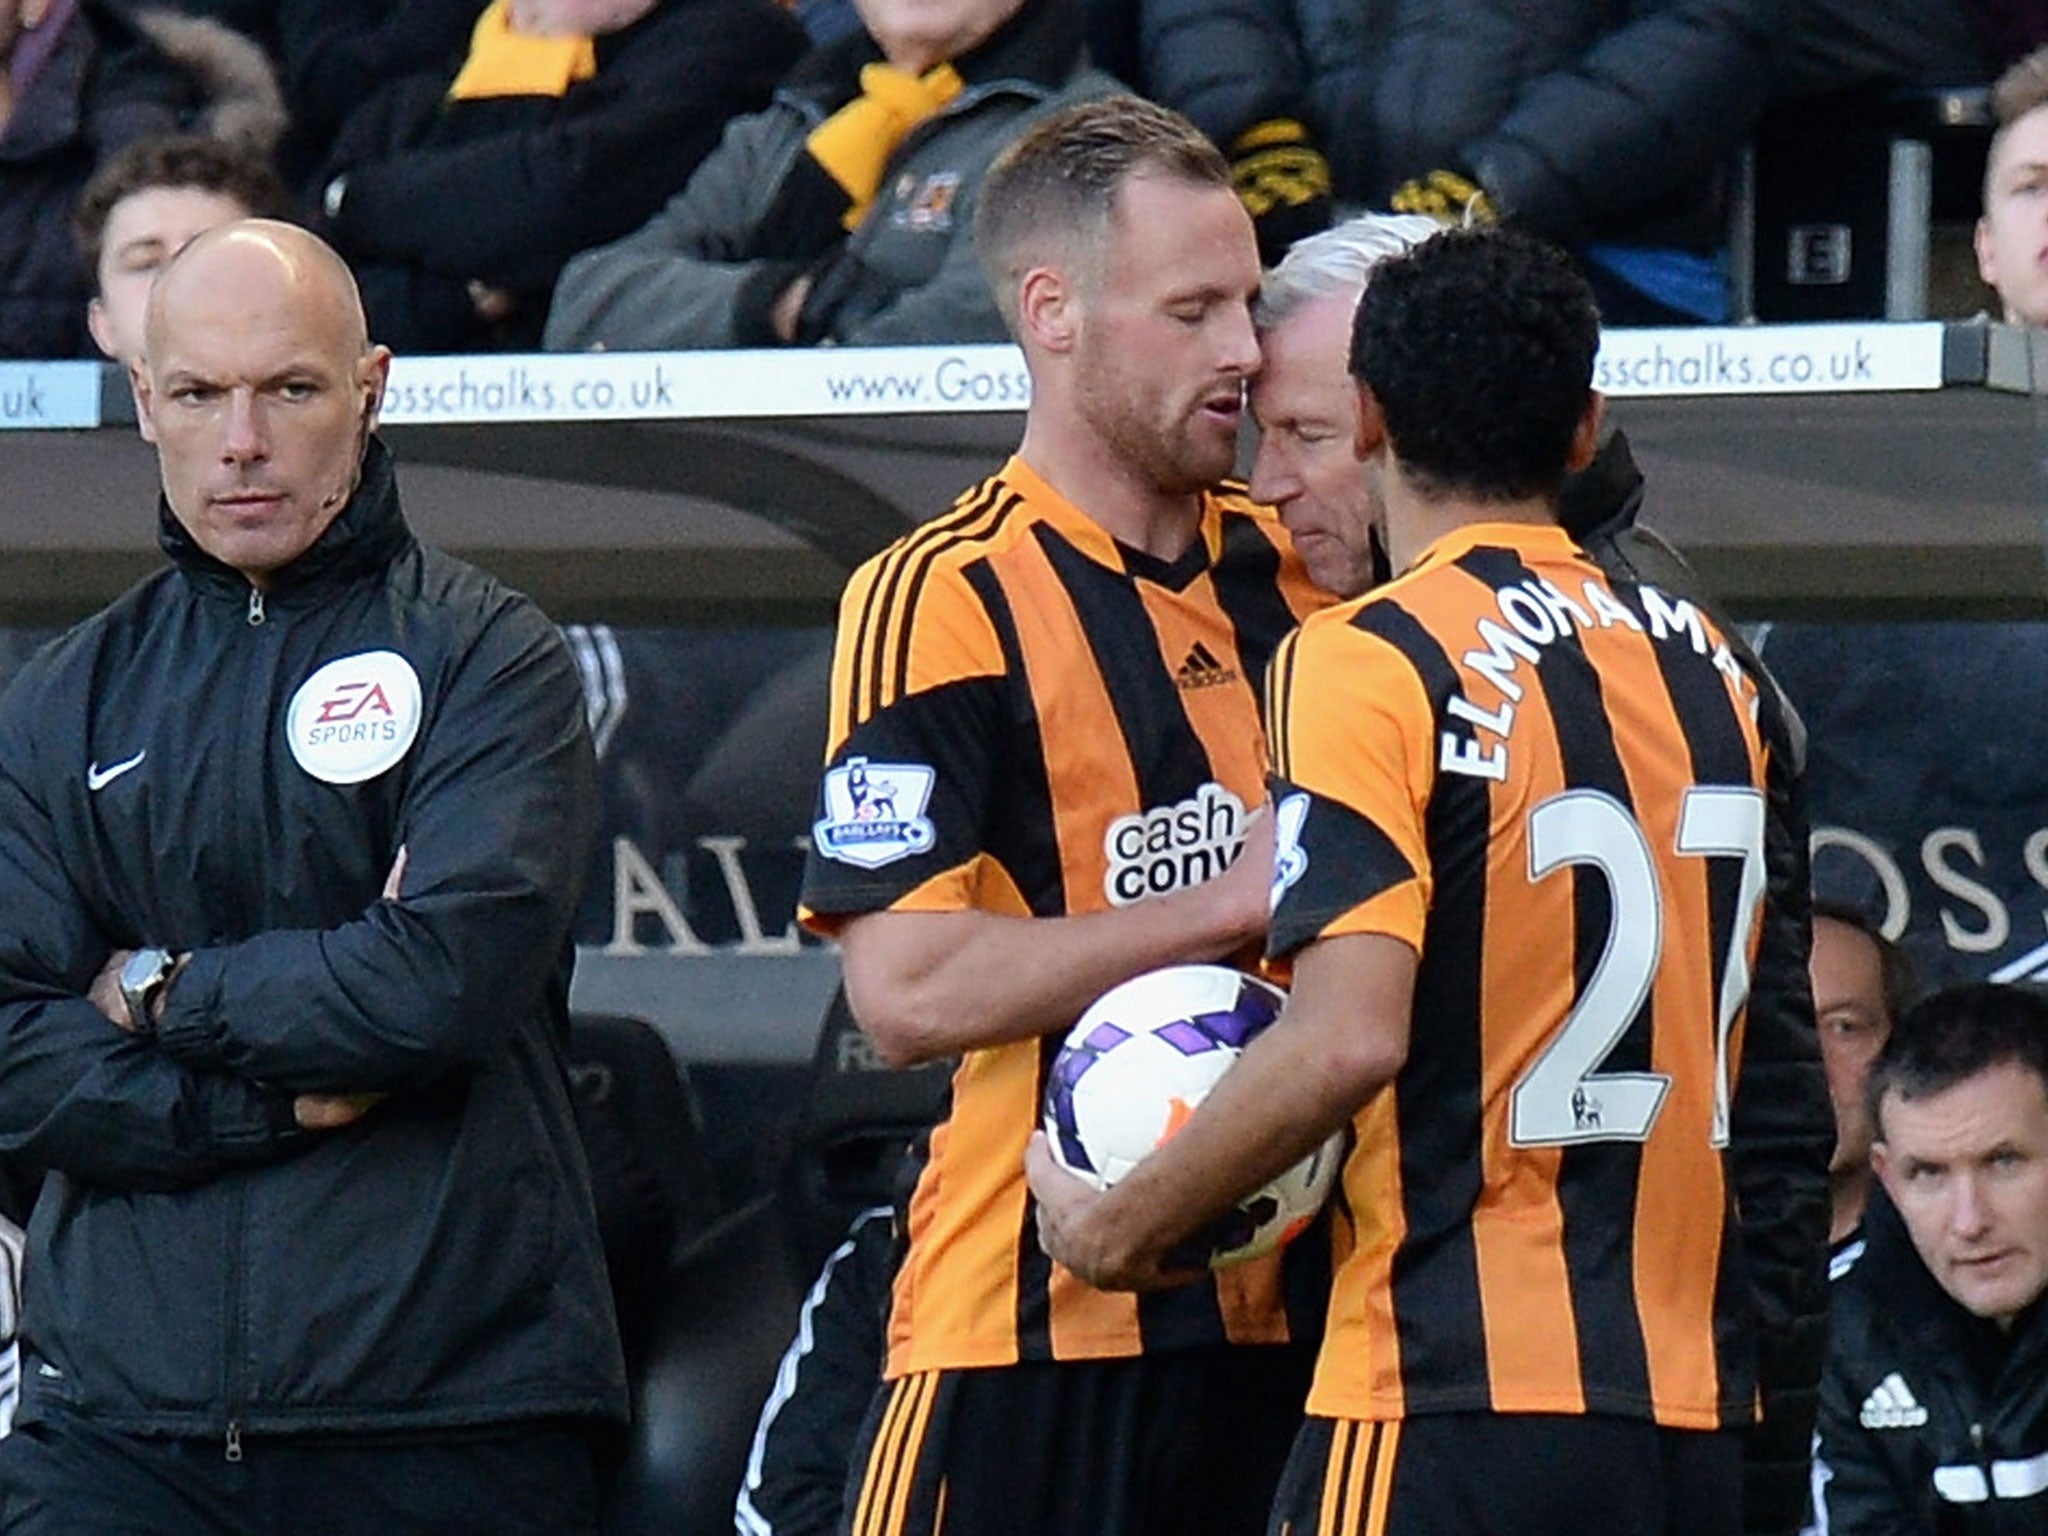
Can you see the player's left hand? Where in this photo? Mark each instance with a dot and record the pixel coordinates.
(1246, 884)
(1072, 1231)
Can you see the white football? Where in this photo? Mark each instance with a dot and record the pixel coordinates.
(1134, 1067)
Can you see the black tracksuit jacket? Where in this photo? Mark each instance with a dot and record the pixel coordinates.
(1933, 1422)
(197, 1264)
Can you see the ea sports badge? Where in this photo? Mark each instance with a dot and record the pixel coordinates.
(355, 717)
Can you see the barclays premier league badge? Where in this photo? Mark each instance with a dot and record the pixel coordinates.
(1290, 859)
(874, 812)
(355, 718)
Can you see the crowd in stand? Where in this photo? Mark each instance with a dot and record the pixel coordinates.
(704, 173)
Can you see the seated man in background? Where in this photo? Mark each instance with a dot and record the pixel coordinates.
(2012, 236)
(1862, 984)
(457, 200)
(1934, 1407)
(335, 54)
(144, 206)
(843, 212)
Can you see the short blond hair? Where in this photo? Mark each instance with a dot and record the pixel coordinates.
(2022, 88)
(1056, 184)
(2019, 92)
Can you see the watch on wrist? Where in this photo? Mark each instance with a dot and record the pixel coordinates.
(145, 975)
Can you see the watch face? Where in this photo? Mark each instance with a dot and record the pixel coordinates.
(143, 967)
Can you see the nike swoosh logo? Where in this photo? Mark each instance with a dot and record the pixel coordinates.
(98, 778)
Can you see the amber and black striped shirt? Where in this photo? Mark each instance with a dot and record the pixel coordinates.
(1031, 719)
(1551, 784)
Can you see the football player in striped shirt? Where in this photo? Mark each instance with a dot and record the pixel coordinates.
(1523, 848)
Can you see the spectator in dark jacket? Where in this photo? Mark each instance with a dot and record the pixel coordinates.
(843, 213)
(1606, 128)
(337, 54)
(81, 79)
(457, 201)
(1846, 45)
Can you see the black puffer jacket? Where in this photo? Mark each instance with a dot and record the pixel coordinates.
(196, 769)
(1932, 1421)
(337, 54)
(1785, 1128)
(504, 190)
(1583, 118)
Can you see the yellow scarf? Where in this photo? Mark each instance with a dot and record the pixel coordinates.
(855, 143)
(502, 62)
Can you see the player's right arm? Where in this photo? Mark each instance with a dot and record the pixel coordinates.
(1349, 899)
(941, 950)
(931, 984)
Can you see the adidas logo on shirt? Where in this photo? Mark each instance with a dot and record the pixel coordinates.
(1202, 669)
(1891, 1405)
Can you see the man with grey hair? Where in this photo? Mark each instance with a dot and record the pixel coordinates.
(1305, 403)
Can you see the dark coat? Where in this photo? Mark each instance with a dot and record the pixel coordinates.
(103, 86)
(1782, 1130)
(1843, 45)
(505, 190)
(1582, 118)
(337, 54)
(177, 771)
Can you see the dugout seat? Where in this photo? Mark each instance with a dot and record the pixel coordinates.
(859, 1115)
(704, 1296)
(650, 1173)
(728, 1305)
